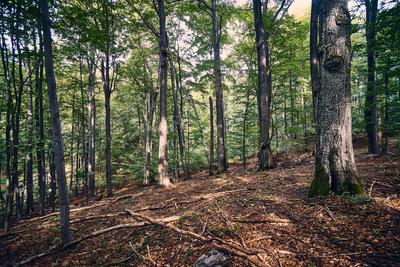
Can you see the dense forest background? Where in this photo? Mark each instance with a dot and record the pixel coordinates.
(111, 61)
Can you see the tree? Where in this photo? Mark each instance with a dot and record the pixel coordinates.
(335, 168)
(264, 91)
(163, 178)
(58, 143)
(370, 112)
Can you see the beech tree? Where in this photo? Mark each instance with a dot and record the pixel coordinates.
(335, 168)
(58, 143)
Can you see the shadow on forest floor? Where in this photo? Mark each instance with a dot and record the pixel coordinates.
(274, 214)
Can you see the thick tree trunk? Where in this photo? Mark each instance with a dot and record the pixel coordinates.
(91, 107)
(370, 111)
(264, 88)
(222, 158)
(58, 143)
(163, 126)
(335, 169)
(211, 150)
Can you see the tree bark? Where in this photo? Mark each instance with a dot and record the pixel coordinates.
(29, 165)
(163, 126)
(335, 169)
(211, 150)
(222, 158)
(39, 118)
(58, 143)
(264, 88)
(370, 112)
(315, 81)
(91, 107)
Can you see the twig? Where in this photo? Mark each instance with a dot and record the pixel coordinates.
(370, 188)
(330, 213)
(224, 245)
(92, 235)
(141, 256)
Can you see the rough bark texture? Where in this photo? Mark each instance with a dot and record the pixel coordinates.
(163, 126)
(264, 88)
(370, 112)
(58, 143)
(222, 158)
(335, 169)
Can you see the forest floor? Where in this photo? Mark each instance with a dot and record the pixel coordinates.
(268, 211)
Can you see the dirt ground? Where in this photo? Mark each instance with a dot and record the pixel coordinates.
(267, 210)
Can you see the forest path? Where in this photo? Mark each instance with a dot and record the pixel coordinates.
(264, 210)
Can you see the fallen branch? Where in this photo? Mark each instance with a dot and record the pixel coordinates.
(225, 246)
(92, 235)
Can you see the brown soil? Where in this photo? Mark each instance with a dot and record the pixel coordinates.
(274, 215)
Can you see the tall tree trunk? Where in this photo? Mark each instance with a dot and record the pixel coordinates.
(39, 121)
(83, 133)
(105, 74)
(91, 107)
(211, 150)
(370, 112)
(14, 186)
(264, 88)
(58, 143)
(163, 126)
(29, 165)
(315, 82)
(217, 21)
(150, 106)
(244, 132)
(5, 62)
(335, 169)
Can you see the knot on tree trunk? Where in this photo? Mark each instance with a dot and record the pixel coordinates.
(333, 63)
(213, 258)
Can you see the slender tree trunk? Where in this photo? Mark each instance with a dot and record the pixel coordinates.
(315, 81)
(222, 159)
(71, 151)
(5, 62)
(211, 151)
(91, 107)
(29, 165)
(335, 169)
(58, 143)
(244, 132)
(370, 111)
(151, 105)
(14, 186)
(264, 88)
(385, 139)
(39, 113)
(163, 126)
